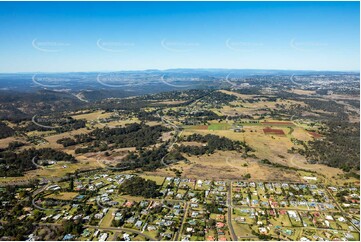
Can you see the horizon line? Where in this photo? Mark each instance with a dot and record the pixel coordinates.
(169, 69)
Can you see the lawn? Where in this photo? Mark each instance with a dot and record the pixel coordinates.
(242, 230)
(63, 195)
(108, 218)
(219, 126)
(92, 116)
(282, 220)
(158, 179)
(195, 127)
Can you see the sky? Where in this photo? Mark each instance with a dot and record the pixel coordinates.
(112, 36)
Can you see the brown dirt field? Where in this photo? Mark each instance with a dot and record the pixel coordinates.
(243, 96)
(114, 159)
(315, 135)
(273, 148)
(114, 124)
(299, 161)
(153, 123)
(340, 96)
(171, 102)
(303, 92)
(92, 116)
(226, 110)
(269, 131)
(300, 134)
(166, 136)
(252, 108)
(226, 165)
(5, 142)
(53, 138)
(201, 127)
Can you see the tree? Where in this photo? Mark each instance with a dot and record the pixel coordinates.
(138, 186)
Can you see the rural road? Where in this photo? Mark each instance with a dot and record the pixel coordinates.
(107, 228)
(35, 193)
(175, 138)
(340, 208)
(229, 213)
(122, 229)
(176, 128)
(183, 222)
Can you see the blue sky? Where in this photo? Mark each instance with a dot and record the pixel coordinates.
(78, 36)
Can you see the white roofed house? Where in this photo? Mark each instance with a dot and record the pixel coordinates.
(327, 223)
(103, 237)
(293, 215)
(98, 216)
(56, 217)
(126, 237)
(138, 224)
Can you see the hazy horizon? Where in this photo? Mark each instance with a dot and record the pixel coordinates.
(164, 70)
(135, 36)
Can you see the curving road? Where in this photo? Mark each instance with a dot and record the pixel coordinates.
(107, 228)
(175, 138)
(124, 230)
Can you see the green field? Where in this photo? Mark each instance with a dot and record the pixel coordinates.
(219, 127)
(158, 179)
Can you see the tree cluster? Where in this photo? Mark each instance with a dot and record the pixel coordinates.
(16, 163)
(138, 186)
(211, 143)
